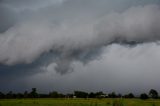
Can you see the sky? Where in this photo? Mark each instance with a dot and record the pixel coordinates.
(87, 45)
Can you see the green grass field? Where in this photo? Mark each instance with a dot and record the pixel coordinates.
(79, 102)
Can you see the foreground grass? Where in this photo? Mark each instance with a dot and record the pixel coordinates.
(79, 102)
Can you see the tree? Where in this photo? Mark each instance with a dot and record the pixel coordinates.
(55, 94)
(19, 95)
(92, 95)
(119, 95)
(9, 94)
(144, 96)
(80, 94)
(112, 95)
(130, 95)
(1, 95)
(69, 95)
(34, 93)
(100, 94)
(153, 93)
(25, 94)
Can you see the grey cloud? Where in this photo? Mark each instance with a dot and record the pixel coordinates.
(8, 18)
(21, 5)
(120, 68)
(81, 32)
(40, 37)
(136, 24)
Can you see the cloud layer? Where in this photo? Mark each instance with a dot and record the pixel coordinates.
(38, 36)
(78, 38)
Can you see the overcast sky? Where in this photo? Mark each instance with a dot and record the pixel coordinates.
(89, 45)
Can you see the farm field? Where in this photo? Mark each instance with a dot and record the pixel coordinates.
(79, 102)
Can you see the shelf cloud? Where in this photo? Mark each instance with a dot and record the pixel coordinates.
(36, 33)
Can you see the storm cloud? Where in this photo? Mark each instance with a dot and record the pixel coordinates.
(55, 34)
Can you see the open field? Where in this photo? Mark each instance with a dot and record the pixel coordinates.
(79, 102)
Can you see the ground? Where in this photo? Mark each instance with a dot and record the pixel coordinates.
(79, 102)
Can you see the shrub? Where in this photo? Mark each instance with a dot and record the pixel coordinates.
(144, 96)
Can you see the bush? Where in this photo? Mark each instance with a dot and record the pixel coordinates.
(130, 95)
(153, 93)
(144, 96)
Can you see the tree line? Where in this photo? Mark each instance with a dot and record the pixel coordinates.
(77, 94)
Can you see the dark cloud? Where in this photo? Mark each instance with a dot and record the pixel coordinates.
(7, 20)
(37, 34)
(33, 4)
(78, 39)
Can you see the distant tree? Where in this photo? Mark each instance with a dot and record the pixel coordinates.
(69, 95)
(9, 95)
(119, 95)
(2, 96)
(54, 94)
(26, 94)
(61, 95)
(153, 93)
(112, 95)
(19, 95)
(80, 94)
(33, 93)
(92, 95)
(130, 95)
(100, 94)
(144, 96)
(43, 96)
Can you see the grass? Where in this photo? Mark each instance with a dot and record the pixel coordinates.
(79, 102)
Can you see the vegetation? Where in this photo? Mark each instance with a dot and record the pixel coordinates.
(77, 94)
(130, 95)
(79, 102)
(153, 93)
(78, 98)
(144, 96)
